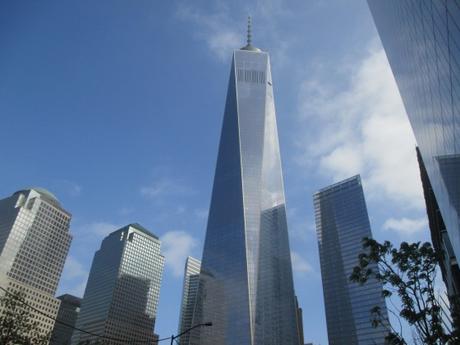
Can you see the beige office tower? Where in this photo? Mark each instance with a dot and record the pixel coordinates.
(34, 242)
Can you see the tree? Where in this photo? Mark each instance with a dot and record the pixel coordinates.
(17, 326)
(408, 272)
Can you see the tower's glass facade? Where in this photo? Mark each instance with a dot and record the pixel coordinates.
(246, 286)
(341, 223)
(123, 288)
(34, 242)
(189, 293)
(422, 42)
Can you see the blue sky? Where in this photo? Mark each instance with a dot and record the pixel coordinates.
(116, 107)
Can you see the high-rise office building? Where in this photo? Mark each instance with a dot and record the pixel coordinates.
(422, 43)
(246, 286)
(121, 296)
(67, 316)
(34, 242)
(449, 266)
(299, 321)
(189, 293)
(341, 223)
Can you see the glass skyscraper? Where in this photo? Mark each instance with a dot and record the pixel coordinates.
(189, 293)
(422, 43)
(34, 242)
(246, 287)
(439, 237)
(341, 223)
(123, 288)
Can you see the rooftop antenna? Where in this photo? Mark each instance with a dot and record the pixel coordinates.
(249, 31)
(249, 46)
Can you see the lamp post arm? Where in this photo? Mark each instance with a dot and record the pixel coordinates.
(196, 326)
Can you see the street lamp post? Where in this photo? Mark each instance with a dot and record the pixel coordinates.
(206, 324)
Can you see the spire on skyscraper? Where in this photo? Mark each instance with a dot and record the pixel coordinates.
(249, 45)
(249, 31)
(245, 285)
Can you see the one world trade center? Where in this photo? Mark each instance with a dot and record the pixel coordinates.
(246, 287)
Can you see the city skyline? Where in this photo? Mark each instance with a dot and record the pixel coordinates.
(133, 126)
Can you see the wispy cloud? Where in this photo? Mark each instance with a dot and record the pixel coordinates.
(74, 277)
(216, 29)
(406, 226)
(101, 229)
(176, 246)
(90, 234)
(78, 289)
(73, 269)
(303, 230)
(165, 187)
(222, 26)
(68, 187)
(299, 264)
(360, 127)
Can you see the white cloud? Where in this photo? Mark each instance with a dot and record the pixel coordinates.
(71, 188)
(360, 127)
(74, 277)
(165, 187)
(216, 29)
(78, 290)
(89, 235)
(301, 229)
(101, 228)
(343, 161)
(406, 226)
(73, 269)
(126, 211)
(222, 25)
(299, 264)
(176, 246)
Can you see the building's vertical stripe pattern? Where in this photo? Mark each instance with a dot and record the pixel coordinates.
(342, 222)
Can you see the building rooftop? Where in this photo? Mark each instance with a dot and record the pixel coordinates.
(44, 193)
(139, 227)
(340, 184)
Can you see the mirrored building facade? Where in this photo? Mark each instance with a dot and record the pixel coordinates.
(189, 293)
(34, 242)
(341, 223)
(246, 287)
(121, 296)
(422, 43)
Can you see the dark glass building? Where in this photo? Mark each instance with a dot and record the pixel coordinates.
(439, 237)
(246, 287)
(422, 43)
(121, 296)
(299, 321)
(341, 223)
(67, 315)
